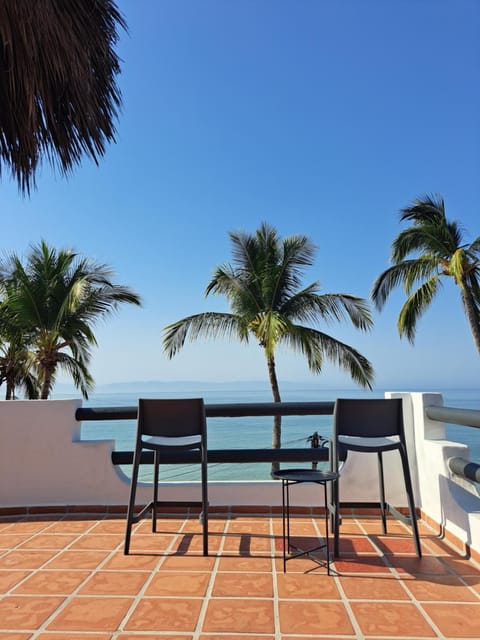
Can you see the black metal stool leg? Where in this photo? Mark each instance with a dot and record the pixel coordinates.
(336, 517)
(284, 531)
(204, 513)
(286, 541)
(131, 502)
(156, 464)
(381, 483)
(411, 502)
(327, 542)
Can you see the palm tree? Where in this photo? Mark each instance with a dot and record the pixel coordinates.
(58, 91)
(263, 288)
(56, 298)
(430, 249)
(16, 370)
(16, 356)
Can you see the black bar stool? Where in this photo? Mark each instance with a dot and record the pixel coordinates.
(371, 426)
(167, 424)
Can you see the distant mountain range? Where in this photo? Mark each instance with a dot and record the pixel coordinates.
(209, 388)
(187, 385)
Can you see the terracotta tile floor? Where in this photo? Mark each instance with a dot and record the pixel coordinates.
(64, 577)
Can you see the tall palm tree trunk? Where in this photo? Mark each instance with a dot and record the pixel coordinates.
(10, 390)
(48, 372)
(277, 420)
(471, 313)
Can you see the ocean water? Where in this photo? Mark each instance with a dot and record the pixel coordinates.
(254, 432)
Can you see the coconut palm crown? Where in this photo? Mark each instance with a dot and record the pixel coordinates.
(17, 367)
(432, 248)
(264, 289)
(58, 93)
(16, 361)
(55, 299)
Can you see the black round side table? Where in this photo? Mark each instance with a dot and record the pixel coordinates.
(296, 476)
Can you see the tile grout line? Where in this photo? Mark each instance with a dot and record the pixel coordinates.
(316, 528)
(153, 572)
(276, 600)
(92, 573)
(69, 597)
(399, 577)
(419, 605)
(30, 536)
(346, 602)
(213, 575)
(43, 566)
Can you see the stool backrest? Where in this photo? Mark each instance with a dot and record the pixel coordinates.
(368, 418)
(172, 417)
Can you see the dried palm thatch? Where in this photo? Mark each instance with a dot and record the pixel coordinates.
(58, 93)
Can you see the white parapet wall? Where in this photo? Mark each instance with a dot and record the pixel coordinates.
(440, 495)
(44, 462)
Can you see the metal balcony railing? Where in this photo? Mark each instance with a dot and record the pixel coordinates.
(459, 466)
(226, 410)
(468, 418)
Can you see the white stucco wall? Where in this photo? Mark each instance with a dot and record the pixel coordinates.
(43, 462)
(439, 494)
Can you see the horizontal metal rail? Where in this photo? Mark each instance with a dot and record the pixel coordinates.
(307, 454)
(452, 415)
(459, 466)
(465, 469)
(467, 418)
(224, 410)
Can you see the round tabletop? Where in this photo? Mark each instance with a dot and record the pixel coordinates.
(305, 475)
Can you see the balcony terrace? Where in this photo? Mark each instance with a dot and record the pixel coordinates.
(64, 576)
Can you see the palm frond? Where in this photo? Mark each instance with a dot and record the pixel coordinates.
(270, 269)
(297, 254)
(427, 238)
(425, 209)
(303, 305)
(410, 241)
(246, 249)
(406, 274)
(474, 248)
(308, 306)
(202, 325)
(317, 346)
(58, 94)
(241, 291)
(415, 306)
(431, 231)
(78, 371)
(343, 305)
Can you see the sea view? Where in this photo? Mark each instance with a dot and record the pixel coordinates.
(254, 431)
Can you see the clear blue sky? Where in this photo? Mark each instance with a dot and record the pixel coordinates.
(320, 117)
